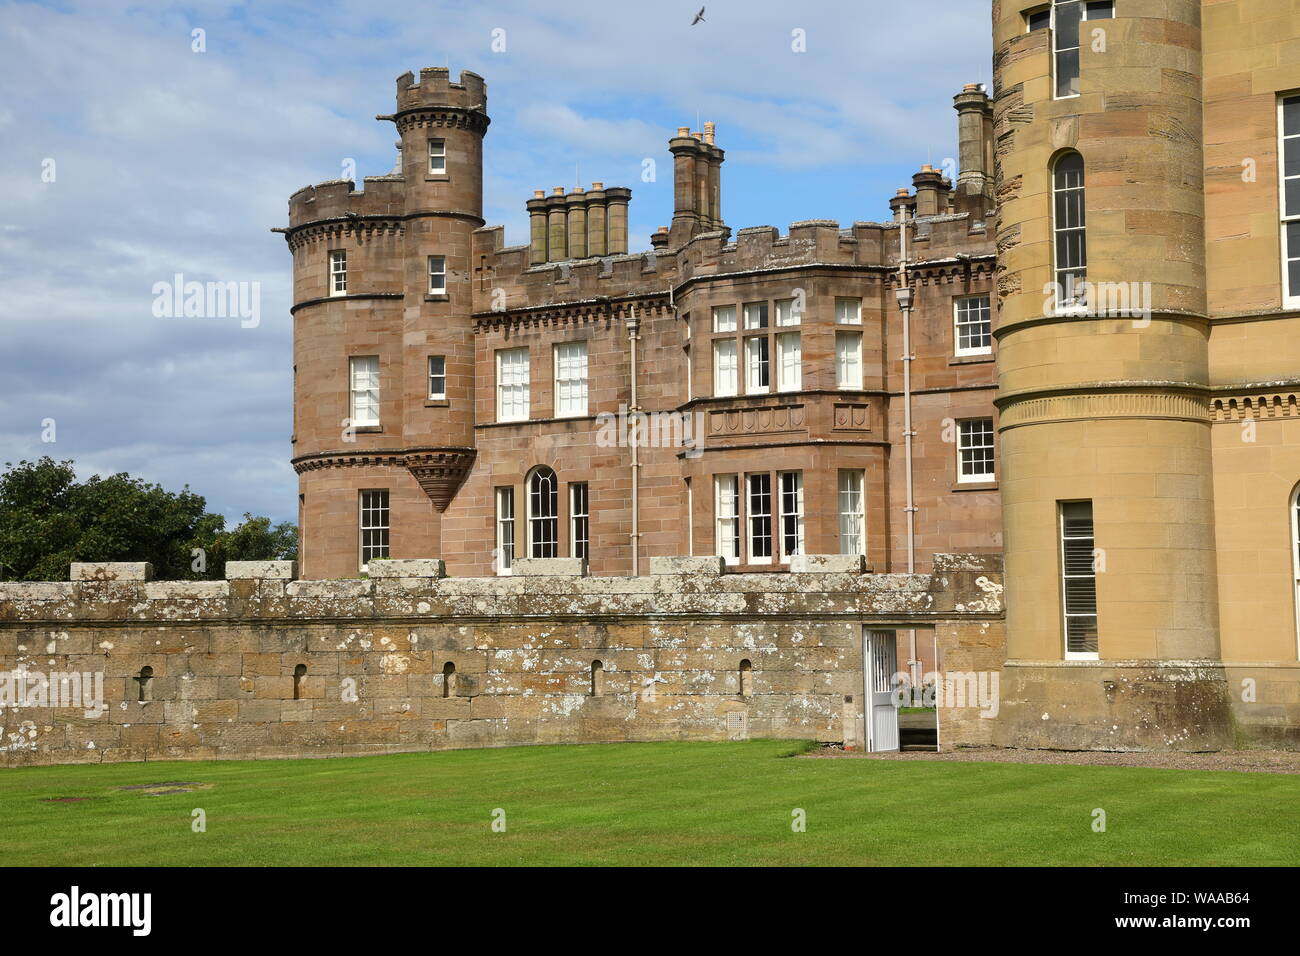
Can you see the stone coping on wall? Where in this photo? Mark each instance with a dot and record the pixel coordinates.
(960, 586)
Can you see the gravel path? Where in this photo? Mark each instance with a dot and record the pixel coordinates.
(1257, 761)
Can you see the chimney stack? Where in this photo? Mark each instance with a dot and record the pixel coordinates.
(902, 202)
(596, 218)
(576, 203)
(697, 184)
(557, 225)
(577, 225)
(537, 228)
(684, 148)
(715, 176)
(975, 141)
(617, 198)
(931, 192)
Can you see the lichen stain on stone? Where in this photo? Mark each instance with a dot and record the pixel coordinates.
(522, 667)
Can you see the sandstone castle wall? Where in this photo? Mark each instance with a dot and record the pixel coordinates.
(224, 654)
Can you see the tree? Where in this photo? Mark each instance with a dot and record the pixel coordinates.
(256, 539)
(48, 520)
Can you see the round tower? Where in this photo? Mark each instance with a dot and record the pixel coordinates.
(383, 338)
(442, 125)
(1112, 623)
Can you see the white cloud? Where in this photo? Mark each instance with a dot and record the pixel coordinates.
(170, 161)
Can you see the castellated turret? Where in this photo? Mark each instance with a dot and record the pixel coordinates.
(383, 340)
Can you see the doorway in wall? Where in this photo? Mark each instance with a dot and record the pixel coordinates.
(880, 665)
(900, 710)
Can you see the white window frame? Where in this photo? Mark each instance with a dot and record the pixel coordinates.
(363, 390)
(848, 310)
(726, 373)
(338, 279)
(687, 349)
(437, 275)
(1085, 15)
(543, 477)
(1058, 50)
(784, 480)
(507, 533)
(849, 512)
(379, 509)
(787, 316)
(983, 322)
(1065, 305)
(848, 374)
(1295, 557)
(789, 362)
(726, 511)
(690, 519)
(513, 385)
(438, 377)
(965, 445)
(570, 362)
(724, 318)
(756, 316)
(580, 519)
(758, 365)
(437, 156)
(1065, 613)
(1290, 296)
(755, 515)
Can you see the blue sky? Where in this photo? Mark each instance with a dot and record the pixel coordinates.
(168, 161)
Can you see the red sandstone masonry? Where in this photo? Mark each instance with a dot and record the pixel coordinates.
(497, 299)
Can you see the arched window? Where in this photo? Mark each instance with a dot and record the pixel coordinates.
(543, 514)
(299, 673)
(448, 679)
(1069, 233)
(746, 678)
(1295, 555)
(145, 682)
(597, 678)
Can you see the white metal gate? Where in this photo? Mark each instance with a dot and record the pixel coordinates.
(880, 663)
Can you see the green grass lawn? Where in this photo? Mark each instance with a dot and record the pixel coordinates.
(653, 804)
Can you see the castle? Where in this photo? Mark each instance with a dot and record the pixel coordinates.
(1122, 244)
(1047, 415)
(739, 395)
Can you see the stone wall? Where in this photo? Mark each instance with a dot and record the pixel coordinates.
(371, 656)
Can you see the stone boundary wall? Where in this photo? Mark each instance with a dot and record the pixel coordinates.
(262, 665)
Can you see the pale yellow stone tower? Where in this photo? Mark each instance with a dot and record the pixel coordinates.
(1107, 478)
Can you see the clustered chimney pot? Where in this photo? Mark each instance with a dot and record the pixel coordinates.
(577, 225)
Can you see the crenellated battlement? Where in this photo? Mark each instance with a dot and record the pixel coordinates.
(340, 199)
(526, 285)
(435, 90)
(944, 240)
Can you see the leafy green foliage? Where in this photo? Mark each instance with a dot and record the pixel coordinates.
(48, 519)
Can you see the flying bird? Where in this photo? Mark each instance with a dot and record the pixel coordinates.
(699, 17)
